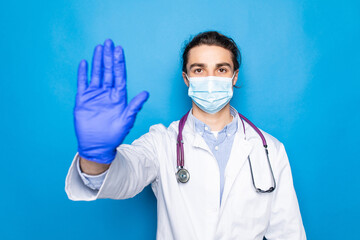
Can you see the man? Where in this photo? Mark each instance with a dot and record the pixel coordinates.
(234, 191)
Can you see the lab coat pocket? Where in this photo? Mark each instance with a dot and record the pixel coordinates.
(251, 210)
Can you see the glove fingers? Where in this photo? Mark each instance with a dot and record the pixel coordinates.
(96, 71)
(136, 104)
(108, 63)
(82, 82)
(119, 68)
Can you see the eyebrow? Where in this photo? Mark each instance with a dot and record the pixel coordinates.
(197, 65)
(203, 65)
(223, 64)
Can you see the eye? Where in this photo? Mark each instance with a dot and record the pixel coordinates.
(198, 70)
(222, 70)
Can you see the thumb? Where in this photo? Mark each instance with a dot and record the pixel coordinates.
(136, 104)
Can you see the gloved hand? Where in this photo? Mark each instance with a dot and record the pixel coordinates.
(102, 115)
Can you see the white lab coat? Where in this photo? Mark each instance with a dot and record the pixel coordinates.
(192, 210)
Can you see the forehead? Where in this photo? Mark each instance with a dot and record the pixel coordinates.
(209, 55)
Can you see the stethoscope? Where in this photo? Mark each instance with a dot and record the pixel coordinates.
(183, 175)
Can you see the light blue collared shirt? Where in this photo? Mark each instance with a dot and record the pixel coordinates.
(220, 145)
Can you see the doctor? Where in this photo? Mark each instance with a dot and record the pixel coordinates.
(230, 190)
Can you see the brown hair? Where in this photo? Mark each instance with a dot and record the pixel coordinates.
(212, 38)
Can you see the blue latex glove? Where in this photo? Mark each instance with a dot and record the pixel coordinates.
(102, 115)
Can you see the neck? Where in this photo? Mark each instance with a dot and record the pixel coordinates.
(216, 121)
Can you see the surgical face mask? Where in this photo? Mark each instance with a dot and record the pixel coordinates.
(210, 94)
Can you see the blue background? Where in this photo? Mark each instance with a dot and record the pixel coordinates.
(300, 82)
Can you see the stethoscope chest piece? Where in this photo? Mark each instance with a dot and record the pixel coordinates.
(183, 175)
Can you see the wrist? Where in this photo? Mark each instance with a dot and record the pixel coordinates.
(92, 168)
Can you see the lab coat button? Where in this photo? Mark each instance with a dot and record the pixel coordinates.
(216, 148)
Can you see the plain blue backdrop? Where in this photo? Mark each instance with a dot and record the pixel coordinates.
(300, 81)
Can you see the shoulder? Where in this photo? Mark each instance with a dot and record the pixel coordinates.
(162, 132)
(157, 128)
(160, 128)
(248, 128)
(274, 145)
(271, 140)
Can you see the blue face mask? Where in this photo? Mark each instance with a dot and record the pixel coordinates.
(210, 93)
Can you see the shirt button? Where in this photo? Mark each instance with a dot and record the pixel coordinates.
(228, 134)
(216, 148)
(206, 128)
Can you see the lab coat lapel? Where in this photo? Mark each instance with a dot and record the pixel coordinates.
(195, 138)
(199, 142)
(240, 151)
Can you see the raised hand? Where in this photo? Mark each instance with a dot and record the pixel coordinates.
(102, 116)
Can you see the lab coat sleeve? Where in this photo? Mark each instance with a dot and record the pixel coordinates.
(92, 181)
(285, 221)
(134, 167)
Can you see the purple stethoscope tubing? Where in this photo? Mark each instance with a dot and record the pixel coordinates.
(183, 175)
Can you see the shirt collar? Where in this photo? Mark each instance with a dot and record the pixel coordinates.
(201, 127)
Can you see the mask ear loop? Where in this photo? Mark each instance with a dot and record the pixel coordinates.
(187, 78)
(233, 79)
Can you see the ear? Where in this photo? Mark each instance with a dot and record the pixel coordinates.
(235, 77)
(186, 81)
